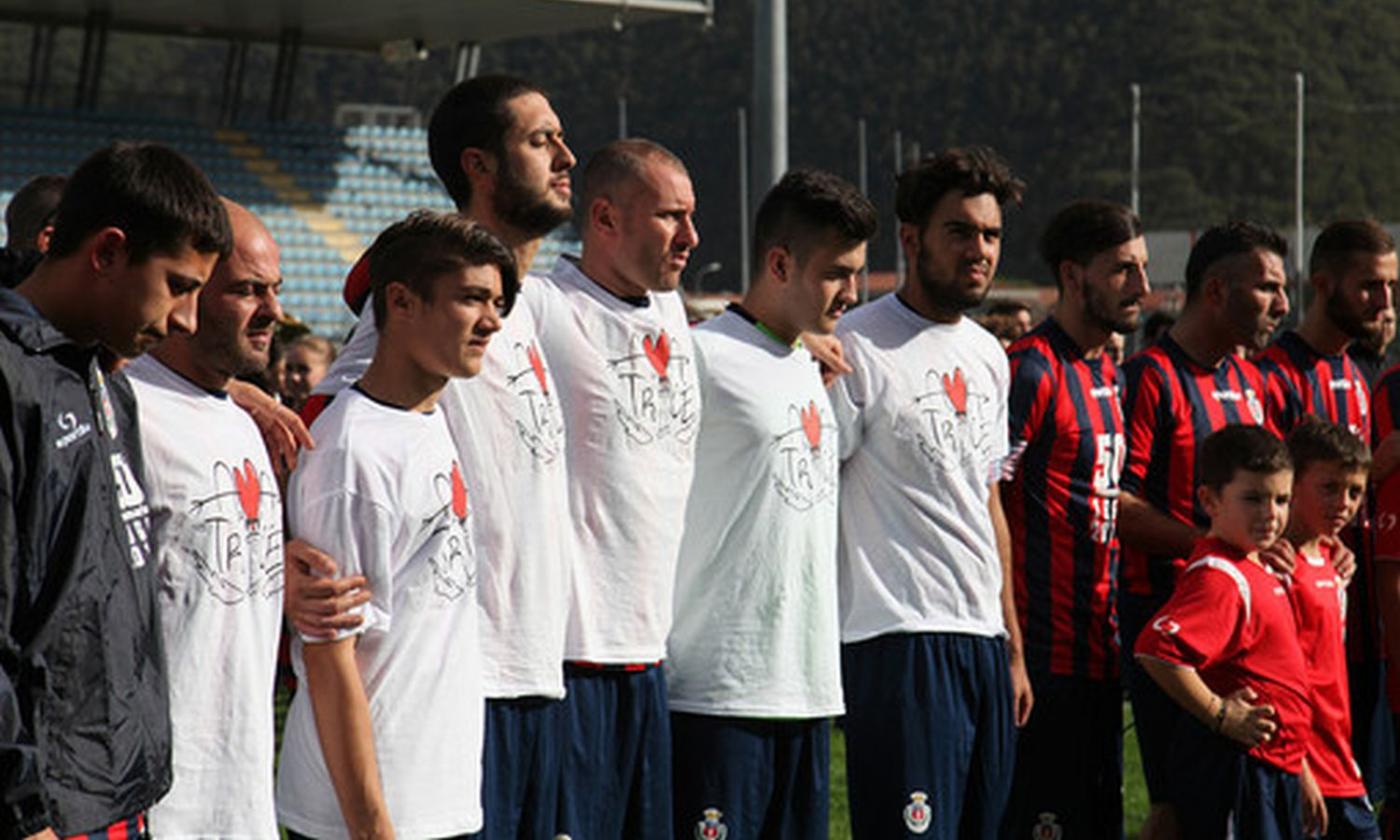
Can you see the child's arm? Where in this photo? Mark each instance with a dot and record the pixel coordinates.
(1231, 716)
(1314, 804)
(347, 742)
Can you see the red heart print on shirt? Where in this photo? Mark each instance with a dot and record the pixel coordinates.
(956, 389)
(459, 493)
(533, 354)
(812, 425)
(658, 352)
(249, 490)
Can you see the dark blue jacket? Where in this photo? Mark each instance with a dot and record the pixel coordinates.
(84, 714)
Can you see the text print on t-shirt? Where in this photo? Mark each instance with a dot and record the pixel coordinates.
(235, 554)
(538, 421)
(955, 420)
(805, 466)
(655, 392)
(454, 563)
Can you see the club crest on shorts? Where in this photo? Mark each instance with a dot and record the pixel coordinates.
(1047, 828)
(918, 814)
(711, 828)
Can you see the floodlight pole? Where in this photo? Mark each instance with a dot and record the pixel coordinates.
(898, 246)
(1298, 196)
(770, 99)
(1137, 148)
(863, 178)
(744, 259)
(621, 117)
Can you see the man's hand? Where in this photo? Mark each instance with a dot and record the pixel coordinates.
(1023, 699)
(46, 834)
(1314, 805)
(1246, 723)
(1343, 559)
(316, 602)
(282, 430)
(826, 350)
(1281, 556)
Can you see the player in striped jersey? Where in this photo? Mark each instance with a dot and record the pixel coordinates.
(1352, 270)
(1176, 393)
(1061, 503)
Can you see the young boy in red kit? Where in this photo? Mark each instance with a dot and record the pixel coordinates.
(1329, 482)
(1225, 648)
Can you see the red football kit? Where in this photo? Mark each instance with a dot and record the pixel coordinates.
(1319, 606)
(1232, 621)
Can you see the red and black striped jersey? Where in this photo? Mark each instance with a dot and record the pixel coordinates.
(1061, 502)
(1384, 420)
(1171, 403)
(1300, 381)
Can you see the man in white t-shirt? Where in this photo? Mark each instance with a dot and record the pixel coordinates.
(384, 738)
(217, 520)
(754, 652)
(616, 333)
(935, 683)
(498, 148)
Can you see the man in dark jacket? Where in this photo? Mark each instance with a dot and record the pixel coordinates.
(84, 717)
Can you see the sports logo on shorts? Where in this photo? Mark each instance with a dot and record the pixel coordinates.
(918, 814)
(710, 828)
(1047, 828)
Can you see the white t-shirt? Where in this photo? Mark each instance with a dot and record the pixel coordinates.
(217, 518)
(626, 375)
(509, 433)
(923, 434)
(756, 631)
(383, 493)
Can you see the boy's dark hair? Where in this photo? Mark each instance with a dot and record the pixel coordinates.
(621, 162)
(472, 115)
(1339, 242)
(1084, 229)
(974, 170)
(1228, 240)
(161, 201)
(426, 245)
(1315, 440)
(32, 209)
(1240, 447)
(806, 206)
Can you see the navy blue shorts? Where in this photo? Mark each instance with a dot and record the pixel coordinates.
(930, 735)
(1069, 761)
(1351, 819)
(520, 767)
(1215, 786)
(1372, 729)
(1155, 715)
(755, 778)
(616, 780)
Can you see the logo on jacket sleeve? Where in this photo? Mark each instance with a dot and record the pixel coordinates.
(711, 828)
(918, 814)
(1046, 828)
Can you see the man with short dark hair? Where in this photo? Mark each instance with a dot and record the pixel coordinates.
(1353, 269)
(1061, 500)
(217, 528)
(1176, 393)
(932, 666)
(616, 332)
(29, 224)
(84, 717)
(498, 147)
(385, 738)
(752, 694)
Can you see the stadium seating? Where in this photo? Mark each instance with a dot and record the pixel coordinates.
(324, 192)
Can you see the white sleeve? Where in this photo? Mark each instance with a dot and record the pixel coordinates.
(848, 402)
(359, 535)
(353, 359)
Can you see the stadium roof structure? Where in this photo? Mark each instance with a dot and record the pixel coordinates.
(354, 24)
